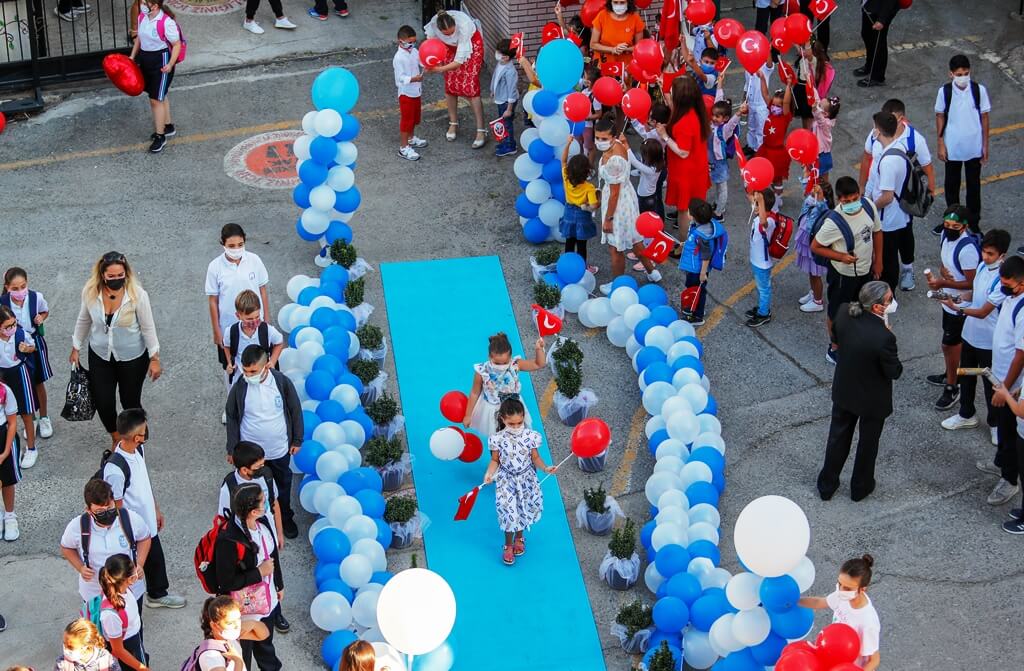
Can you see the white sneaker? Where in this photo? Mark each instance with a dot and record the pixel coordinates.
(606, 288)
(408, 153)
(654, 275)
(1001, 493)
(28, 459)
(11, 531)
(252, 27)
(812, 306)
(224, 417)
(957, 422)
(284, 23)
(45, 427)
(417, 142)
(994, 434)
(806, 298)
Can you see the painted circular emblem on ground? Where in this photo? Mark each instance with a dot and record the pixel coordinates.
(265, 161)
(206, 6)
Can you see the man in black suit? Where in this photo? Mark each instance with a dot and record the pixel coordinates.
(861, 388)
(875, 18)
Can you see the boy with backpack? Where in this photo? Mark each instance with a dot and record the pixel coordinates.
(704, 250)
(250, 329)
(961, 123)
(124, 469)
(762, 229)
(889, 180)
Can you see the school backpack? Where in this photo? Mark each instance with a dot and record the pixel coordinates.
(947, 98)
(968, 239)
(203, 556)
(778, 244)
(117, 459)
(844, 228)
(913, 198)
(192, 663)
(262, 335)
(94, 607)
(690, 260)
(84, 522)
(728, 148)
(232, 484)
(161, 31)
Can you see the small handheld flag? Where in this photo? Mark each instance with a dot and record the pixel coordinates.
(498, 129)
(466, 503)
(659, 248)
(548, 323)
(516, 42)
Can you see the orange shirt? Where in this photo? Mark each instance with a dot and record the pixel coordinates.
(614, 32)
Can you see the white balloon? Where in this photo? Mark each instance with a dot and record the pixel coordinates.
(705, 382)
(358, 527)
(317, 526)
(632, 347)
(321, 198)
(656, 395)
(370, 587)
(618, 332)
(325, 495)
(538, 191)
(343, 508)
(667, 463)
(668, 534)
(551, 212)
(323, 302)
(300, 386)
(700, 566)
(307, 496)
(447, 444)
(672, 515)
(622, 299)
(300, 317)
(659, 483)
(340, 178)
(681, 348)
(697, 650)
(655, 423)
(682, 426)
(310, 405)
(314, 221)
(671, 447)
(296, 284)
(573, 296)
(702, 531)
(554, 131)
(673, 498)
(709, 424)
(635, 314)
(309, 122)
(386, 658)
(355, 458)
(709, 439)
(525, 168)
(751, 627)
(364, 609)
(743, 590)
(681, 329)
(652, 578)
(355, 434)
(717, 577)
(528, 106)
(308, 335)
(683, 377)
(347, 153)
(695, 396)
(695, 471)
(705, 512)
(660, 337)
(673, 405)
(346, 395)
(330, 611)
(330, 466)
(327, 123)
(588, 282)
(372, 550)
(416, 611)
(289, 360)
(804, 573)
(601, 311)
(329, 434)
(355, 570)
(721, 634)
(373, 635)
(584, 313)
(771, 535)
(301, 147)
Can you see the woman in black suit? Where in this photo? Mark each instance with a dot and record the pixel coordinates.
(875, 18)
(861, 388)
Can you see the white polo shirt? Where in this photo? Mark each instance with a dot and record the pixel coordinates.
(226, 280)
(9, 351)
(263, 419)
(23, 315)
(103, 543)
(963, 124)
(978, 332)
(10, 404)
(110, 621)
(1007, 338)
(224, 502)
(139, 496)
(274, 338)
(874, 147)
(969, 258)
(890, 173)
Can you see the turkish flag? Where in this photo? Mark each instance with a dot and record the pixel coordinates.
(690, 298)
(722, 63)
(822, 9)
(669, 28)
(813, 172)
(741, 158)
(466, 503)
(516, 42)
(659, 248)
(611, 69)
(548, 323)
(786, 73)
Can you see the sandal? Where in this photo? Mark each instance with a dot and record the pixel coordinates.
(639, 267)
(631, 256)
(519, 546)
(450, 135)
(481, 138)
(508, 555)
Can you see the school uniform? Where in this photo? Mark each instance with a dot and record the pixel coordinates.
(977, 340)
(406, 64)
(26, 313)
(956, 255)
(274, 338)
(10, 468)
(155, 52)
(962, 135)
(864, 621)
(757, 108)
(270, 494)
(16, 372)
(1007, 339)
(504, 88)
(845, 280)
(225, 280)
(214, 659)
(761, 263)
(103, 543)
(890, 173)
(125, 624)
(718, 140)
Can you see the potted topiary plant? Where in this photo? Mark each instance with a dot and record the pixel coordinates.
(571, 400)
(354, 299)
(371, 343)
(387, 456)
(406, 521)
(384, 413)
(620, 568)
(633, 627)
(346, 256)
(544, 260)
(549, 297)
(662, 659)
(597, 511)
(372, 377)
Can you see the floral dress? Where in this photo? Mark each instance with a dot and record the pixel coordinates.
(517, 494)
(623, 236)
(497, 384)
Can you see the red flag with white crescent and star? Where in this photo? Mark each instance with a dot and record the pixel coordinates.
(669, 28)
(741, 158)
(813, 173)
(659, 248)
(516, 42)
(466, 503)
(822, 9)
(548, 323)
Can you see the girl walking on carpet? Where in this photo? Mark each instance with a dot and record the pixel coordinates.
(513, 469)
(496, 380)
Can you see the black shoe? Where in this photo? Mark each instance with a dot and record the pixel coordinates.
(282, 625)
(291, 530)
(759, 320)
(869, 83)
(862, 71)
(826, 496)
(751, 312)
(158, 143)
(950, 395)
(1015, 514)
(694, 320)
(1015, 527)
(169, 130)
(748, 152)
(831, 355)
(860, 496)
(938, 380)
(3, 623)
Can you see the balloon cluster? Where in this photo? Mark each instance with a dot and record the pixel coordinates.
(836, 649)
(573, 279)
(326, 162)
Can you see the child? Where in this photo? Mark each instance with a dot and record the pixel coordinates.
(533, 84)
(577, 223)
(825, 113)
(757, 108)
(319, 10)
(851, 605)
(505, 89)
(497, 379)
(514, 460)
(815, 206)
(1015, 525)
(780, 113)
(223, 627)
(762, 227)
(31, 310)
(722, 146)
(249, 330)
(408, 79)
(706, 229)
(16, 350)
(651, 166)
(120, 623)
(591, 73)
(10, 460)
(84, 649)
(250, 466)
(358, 656)
(227, 276)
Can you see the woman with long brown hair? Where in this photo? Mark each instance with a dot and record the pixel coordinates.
(686, 143)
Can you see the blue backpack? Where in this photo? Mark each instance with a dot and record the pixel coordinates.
(728, 148)
(967, 239)
(844, 228)
(690, 259)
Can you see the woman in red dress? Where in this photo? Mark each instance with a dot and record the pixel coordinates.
(686, 140)
(461, 34)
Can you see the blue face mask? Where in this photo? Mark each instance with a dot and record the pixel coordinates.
(851, 208)
(707, 69)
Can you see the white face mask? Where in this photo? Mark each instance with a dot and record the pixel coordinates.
(234, 253)
(231, 634)
(620, 9)
(143, 8)
(499, 57)
(603, 145)
(962, 81)
(515, 430)
(255, 379)
(845, 595)
(891, 307)
(776, 109)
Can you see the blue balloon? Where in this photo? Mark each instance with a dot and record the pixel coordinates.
(304, 234)
(371, 501)
(337, 89)
(536, 231)
(571, 267)
(309, 422)
(441, 658)
(372, 480)
(525, 208)
(688, 361)
(705, 549)
(559, 66)
(346, 319)
(552, 279)
(793, 623)
(693, 341)
(338, 585)
(384, 533)
(684, 586)
(709, 607)
(381, 577)
(718, 480)
(300, 194)
(640, 332)
(710, 456)
(673, 640)
(334, 291)
(331, 545)
(558, 192)
(340, 338)
(293, 335)
(352, 482)
(656, 439)
(779, 594)
(305, 458)
(540, 152)
(350, 128)
(324, 572)
(338, 230)
(645, 535)
(702, 492)
(552, 171)
(671, 560)
(336, 347)
(359, 415)
(353, 381)
(664, 315)
(334, 273)
(652, 296)
(312, 173)
(322, 319)
(648, 355)
(670, 614)
(652, 512)
(347, 201)
(712, 407)
(306, 479)
(307, 295)
(768, 651)
(741, 660)
(330, 411)
(323, 150)
(335, 644)
(677, 652)
(624, 281)
(545, 103)
(319, 384)
(662, 591)
(576, 128)
(657, 371)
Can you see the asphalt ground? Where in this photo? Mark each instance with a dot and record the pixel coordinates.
(77, 183)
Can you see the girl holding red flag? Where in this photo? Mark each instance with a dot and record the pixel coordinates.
(497, 380)
(851, 606)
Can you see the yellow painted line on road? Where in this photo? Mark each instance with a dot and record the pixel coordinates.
(547, 399)
(620, 481)
(719, 312)
(1009, 174)
(1006, 129)
(898, 48)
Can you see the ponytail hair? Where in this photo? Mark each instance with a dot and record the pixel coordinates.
(499, 344)
(859, 568)
(114, 578)
(871, 294)
(215, 609)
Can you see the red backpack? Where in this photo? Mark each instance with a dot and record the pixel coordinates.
(203, 557)
(778, 244)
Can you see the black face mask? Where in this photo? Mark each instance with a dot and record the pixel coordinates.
(105, 518)
(950, 234)
(258, 473)
(115, 285)
(1008, 291)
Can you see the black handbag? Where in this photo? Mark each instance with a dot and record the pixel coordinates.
(78, 406)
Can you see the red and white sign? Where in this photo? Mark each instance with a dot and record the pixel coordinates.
(206, 6)
(266, 161)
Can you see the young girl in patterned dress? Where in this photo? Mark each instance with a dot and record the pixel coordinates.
(497, 379)
(513, 469)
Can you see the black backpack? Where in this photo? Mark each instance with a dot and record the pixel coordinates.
(126, 526)
(913, 198)
(844, 229)
(232, 484)
(947, 97)
(262, 335)
(112, 457)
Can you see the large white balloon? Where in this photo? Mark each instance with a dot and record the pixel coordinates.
(289, 359)
(321, 198)
(309, 335)
(702, 531)
(656, 395)
(601, 311)
(682, 426)
(672, 447)
(447, 444)
(345, 394)
(309, 122)
(329, 434)
(705, 512)
(330, 611)
(356, 570)
(771, 535)
(697, 650)
(635, 314)
(682, 348)
(716, 577)
(722, 634)
(618, 332)
(341, 178)
(372, 550)
(296, 284)
(525, 168)
(672, 515)
(622, 298)
(659, 483)
(668, 534)
(538, 191)
(354, 456)
(343, 508)
(660, 337)
(652, 578)
(364, 609)
(695, 471)
(685, 376)
(301, 147)
(554, 131)
(584, 313)
(314, 221)
(309, 352)
(681, 329)
(673, 405)
(696, 396)
(347, 153)
(588, 282)
(632, 347)
(673, 498)
(358, 527)
(654, 424)
(743, 590)
(550, 212)
(416, 611)
(307, 496)
(327, 123)
(709, 439)
(325, 495)
(355, 434)
(709, 424)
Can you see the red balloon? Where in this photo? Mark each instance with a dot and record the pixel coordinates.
(433, 52)
(837, 644)
(802, 146)
(798, 660)
(799, 645)
(3, 122)
(648, 224)
(551, 31)
(700, 12)
(849, 666)
(636, 104)
(589, 12)
(758, 174)
(777, 32)
(637, 72)
(647, 53)
(608, 91)
(727, 32)
(124, 73)
(473, 449)
(590, 438)
(709, 102)
(568, 3)
(643, 4)
(798, 28)
(752, 50)
(905, 4)
(453, 406)
(576, 107)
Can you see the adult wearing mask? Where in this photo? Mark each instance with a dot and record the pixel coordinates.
(861, 388)
(875, 18)
(461, 34)
(616, 30)
(117, 320)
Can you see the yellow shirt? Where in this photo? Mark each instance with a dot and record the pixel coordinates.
(580, 194)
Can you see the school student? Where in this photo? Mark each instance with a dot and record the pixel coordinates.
(17, 349)
(157, 47)
(890, 174)
(762, 226)
(961, 122)
(280, 20)
(84, 649)
(120, 620)
(505, 90)
(10, 461)
(264, 408)
(128, 476)
(851, 606)
(409, 81)
(250, 329)
(32, 310)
